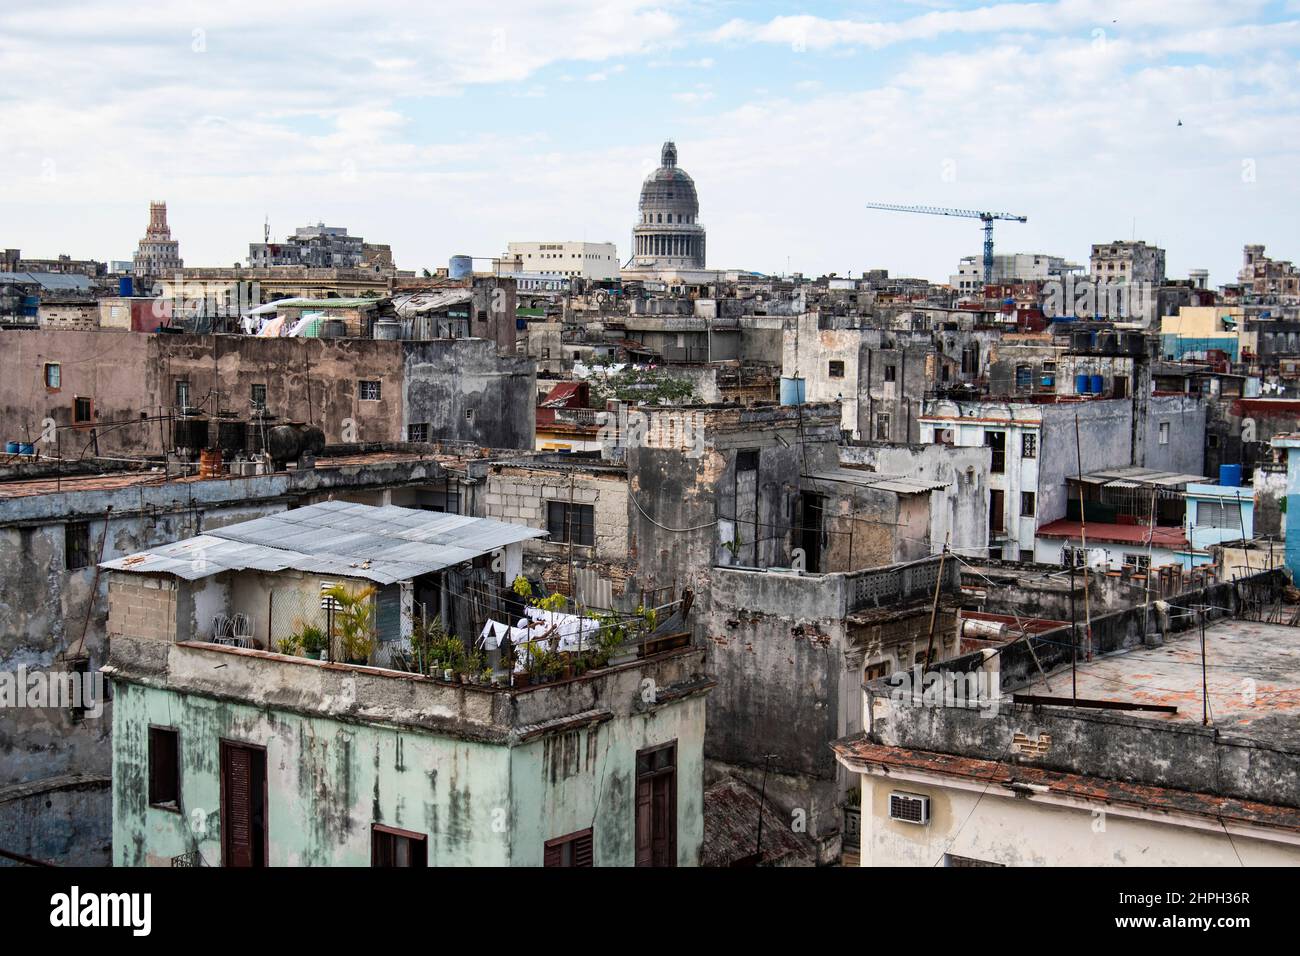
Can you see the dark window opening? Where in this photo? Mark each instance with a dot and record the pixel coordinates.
(747, 460)
(571, 523)
(76, 545)
(83, 410)
(164, 768)
(836, 370)
(182, 393)
(1028, 503)
(417, 431)
(368, 391)
(80, 669)
(392, 847)
(891, 373)
(998, 442)
(258, 397)
(572, 850)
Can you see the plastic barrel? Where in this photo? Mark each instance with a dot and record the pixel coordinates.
(1230, 476)
(792, 391)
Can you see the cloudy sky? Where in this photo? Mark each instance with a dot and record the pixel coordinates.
(454, 128)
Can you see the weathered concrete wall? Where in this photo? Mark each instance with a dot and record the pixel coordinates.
(1114, 745)
(62, 820)
(1104, 440)
(520, 495)
(132, 380)
(1013, 831)
(466, 391)
(475, 769)
(959, 512)
(1183, 450)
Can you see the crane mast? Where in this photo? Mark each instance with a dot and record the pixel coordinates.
(985, 217)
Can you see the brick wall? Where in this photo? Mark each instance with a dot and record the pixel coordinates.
(141, 606)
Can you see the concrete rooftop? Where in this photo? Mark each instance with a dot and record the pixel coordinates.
(1253, 675)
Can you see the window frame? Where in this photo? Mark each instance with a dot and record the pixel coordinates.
(174, 804)
(363, 387)
(70, 547)
(835, 368)
(565, 524)
(77, 417)
(413, 839)
(575, 844)
(57, 368)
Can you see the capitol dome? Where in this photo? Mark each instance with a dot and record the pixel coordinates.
(668, 234)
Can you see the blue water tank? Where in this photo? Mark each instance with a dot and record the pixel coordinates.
(460, 267)
(1081, 384)
(1230, 476)
(124, 287)
(11, 448)
(792, 391)
(1094, 385)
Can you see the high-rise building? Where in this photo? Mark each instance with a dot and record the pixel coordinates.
(158, 254)
(1128, 262)
(668, 234)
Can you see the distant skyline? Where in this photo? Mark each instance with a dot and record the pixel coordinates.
(445, 129)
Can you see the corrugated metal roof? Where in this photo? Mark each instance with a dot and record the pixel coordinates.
(1132, 476)
(871, 479)
(417, 303)
(381, 544)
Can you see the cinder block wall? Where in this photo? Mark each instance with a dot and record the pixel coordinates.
(142, 606)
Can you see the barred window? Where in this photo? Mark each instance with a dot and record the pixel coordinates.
(368, 391)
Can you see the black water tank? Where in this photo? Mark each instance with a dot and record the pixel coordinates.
(313, 440)
(232, 436)
(283, 443)
(190, 432)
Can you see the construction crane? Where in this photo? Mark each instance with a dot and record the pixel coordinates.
(985, 217)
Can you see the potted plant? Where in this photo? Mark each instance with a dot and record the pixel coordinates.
(288, 645)
(355, 620)
(312, 640)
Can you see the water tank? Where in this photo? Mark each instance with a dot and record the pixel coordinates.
(388, 330)
(232, 434)
(1094, 384)
(11, 448)
(1230, 476)
(1135, 343)
(283, 443)
(313, 440)
(124, 287)
(792, 391)
(1081, 383)
(460, 267)
(190, 431)
(1108, 342)
(1080, 340)
(333, 329)
(254, 436)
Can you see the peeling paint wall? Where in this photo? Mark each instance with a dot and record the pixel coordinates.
(480, 801)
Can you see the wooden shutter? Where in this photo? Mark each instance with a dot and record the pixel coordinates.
(582, 850)
(663, 843)
(237, 824)
(554, 855)
(644, 823)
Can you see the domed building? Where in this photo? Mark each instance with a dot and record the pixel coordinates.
(668, 234)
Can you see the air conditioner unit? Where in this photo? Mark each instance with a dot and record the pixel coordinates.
(909, 808)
